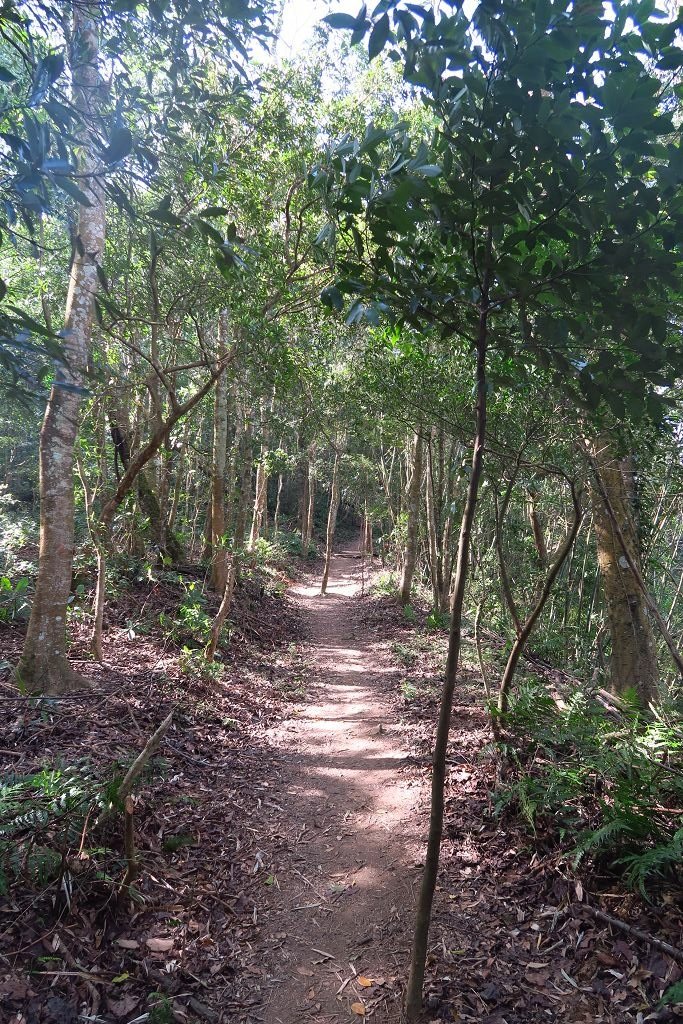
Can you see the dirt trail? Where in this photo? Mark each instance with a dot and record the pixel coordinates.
(343, 902)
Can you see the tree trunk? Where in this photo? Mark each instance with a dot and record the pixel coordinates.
(633, 663)
(43, 667)
(150, 506)
(244, 487)
(219, 564)
(178, 484)
(331, 523)
(260, 515)
(224, 609)
(278, 499)
(527, 628)
(413, 999)
(310, 514)
(413, 509)
(302, 473)
(432, 532)
(537, 528)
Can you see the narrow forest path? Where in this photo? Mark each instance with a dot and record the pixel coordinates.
(350, 837)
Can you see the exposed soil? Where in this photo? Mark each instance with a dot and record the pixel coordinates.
(281, 837)
(351, 823)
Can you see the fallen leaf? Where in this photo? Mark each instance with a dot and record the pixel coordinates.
(364, 982)
(160, 945)
(358, 1008)
(123, 1007)
(306, 971)
(127, 943)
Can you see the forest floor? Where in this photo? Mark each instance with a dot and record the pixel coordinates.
(281, 837)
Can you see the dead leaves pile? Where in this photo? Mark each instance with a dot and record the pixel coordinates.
(511, 940)
(189, 940)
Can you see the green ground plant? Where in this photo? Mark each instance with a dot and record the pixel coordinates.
(610, 788)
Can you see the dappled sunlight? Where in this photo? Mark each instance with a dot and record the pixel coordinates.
(361, 840)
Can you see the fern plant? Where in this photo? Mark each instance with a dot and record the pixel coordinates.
(612, 793)
(43, 817)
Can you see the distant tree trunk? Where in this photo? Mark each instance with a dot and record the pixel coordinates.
(446, 536)
(310, 515)
(244, 488)
(149, 504)
(331, 523)
(260, 515)
(278, 499)
(178, 485)
(367, 535)
(219, 564)
(434, 563)
(43, 667)
(537, 528)
(134, 472)
(527, 628)
(413, 510)
(302, 491)
(633, 663)
(233, 457)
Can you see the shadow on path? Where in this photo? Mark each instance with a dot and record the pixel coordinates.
(342, 905)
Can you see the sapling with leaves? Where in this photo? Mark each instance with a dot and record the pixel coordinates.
(537, 224)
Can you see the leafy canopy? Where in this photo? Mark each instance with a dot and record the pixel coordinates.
(554, 166)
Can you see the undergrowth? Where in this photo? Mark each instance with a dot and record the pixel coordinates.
(45, 821)
(611, 790)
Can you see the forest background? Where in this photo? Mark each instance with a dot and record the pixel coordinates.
(423, 272)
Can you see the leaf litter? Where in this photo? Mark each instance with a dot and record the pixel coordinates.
(512, 940)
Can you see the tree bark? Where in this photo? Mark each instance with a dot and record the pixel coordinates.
(331, 523)
(310, 492)
(225, 605)
(244, 487)
(537, 528)
(413, 510)
(219, 564)
(432, 532)
(633, 664)
(43, 667)
(259, 519)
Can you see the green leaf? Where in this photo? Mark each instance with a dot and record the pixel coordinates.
(332, 298)
(72, 189)
(427, 171)
(339, 20)
(379, 37)
(671, 59)
(120, 145)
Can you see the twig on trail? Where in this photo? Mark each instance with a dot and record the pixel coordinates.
(329, 956)
(318, 894)
(637, 933)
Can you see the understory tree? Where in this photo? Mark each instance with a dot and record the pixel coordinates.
(534, 227)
